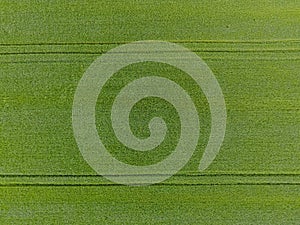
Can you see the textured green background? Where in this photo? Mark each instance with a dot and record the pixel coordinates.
(253, 48)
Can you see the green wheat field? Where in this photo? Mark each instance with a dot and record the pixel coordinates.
(253, 49)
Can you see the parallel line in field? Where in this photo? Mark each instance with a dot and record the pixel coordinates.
(205, 58)
(141, 184)
(195, 50)
(128, 175)
(174, 41)
(47, 61)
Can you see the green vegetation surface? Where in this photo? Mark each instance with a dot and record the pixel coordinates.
(253, 49)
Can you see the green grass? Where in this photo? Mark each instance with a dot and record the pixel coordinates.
(253, 49)
(151, 205)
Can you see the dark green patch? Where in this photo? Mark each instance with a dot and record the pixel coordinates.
(145, 110)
